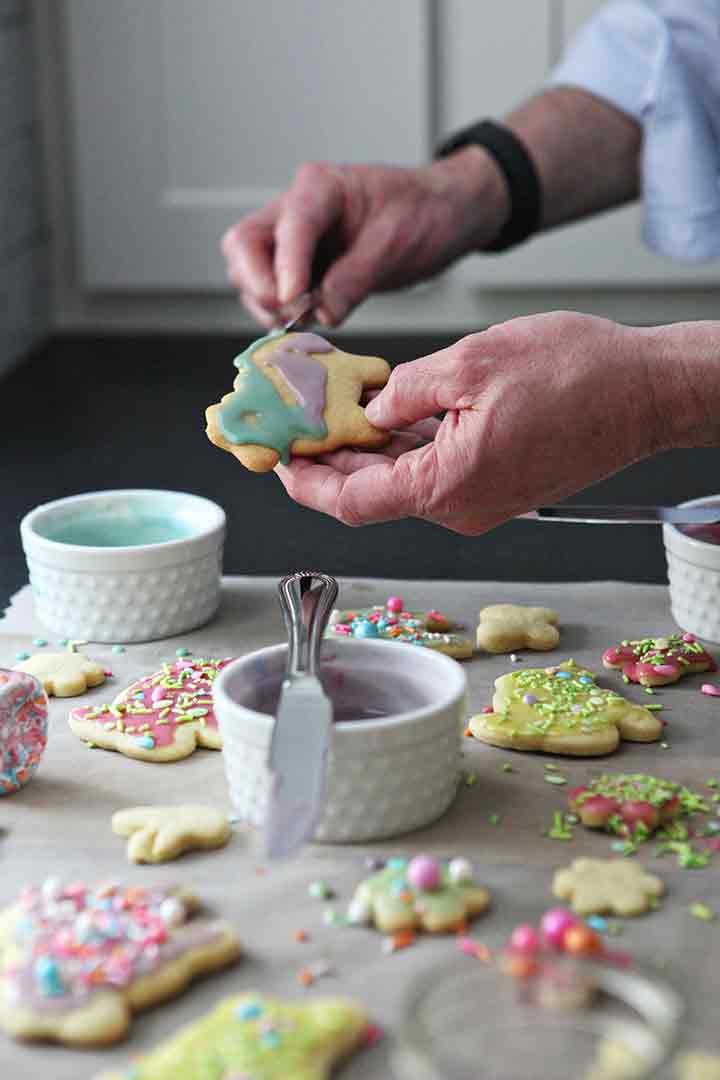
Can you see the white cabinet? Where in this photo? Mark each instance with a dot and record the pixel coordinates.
(185, 114)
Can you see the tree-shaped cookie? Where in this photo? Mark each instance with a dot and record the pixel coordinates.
(159, 833)
(561, 710)
(295, 394)
(64, 674)
(419, 893)
(76, 961)
(506, 627)
(613, 886)
(252, 1036)
(161, 717)
(659, 661)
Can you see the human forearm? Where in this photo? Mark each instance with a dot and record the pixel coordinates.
(586, 152)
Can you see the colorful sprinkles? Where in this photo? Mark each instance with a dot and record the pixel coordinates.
(391, 621)
(660, 660)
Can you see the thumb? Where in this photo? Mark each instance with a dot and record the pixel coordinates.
(420, 389)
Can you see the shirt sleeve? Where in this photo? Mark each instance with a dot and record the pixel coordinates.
(659, 61)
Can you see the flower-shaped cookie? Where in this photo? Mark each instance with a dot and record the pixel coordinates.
(252, 1035)
(561, 710)
(64, 674)
(75, 961)
(659, 661)
(161, 717)
(632, 802)
(615, 886)
(295, 394)
(392, 622)
(160, 833)
(419, 893)
(506, 627)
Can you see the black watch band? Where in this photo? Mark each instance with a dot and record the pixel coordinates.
(520, 174)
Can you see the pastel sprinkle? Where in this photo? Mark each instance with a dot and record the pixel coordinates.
(39, 642)
(710, 689)
(555, 778)
(494, 819)
(118, 648)
(249, 1010)
(702, 911)
(597, 923)
(22, 656)
(320, 890)
(182, 651)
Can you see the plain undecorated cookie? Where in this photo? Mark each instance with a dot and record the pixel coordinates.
(295, 394)
(252, 1036)
(612, 886)
(561, 710)
(503, 628)
(64, 674)
(160, 833)
(137, 946)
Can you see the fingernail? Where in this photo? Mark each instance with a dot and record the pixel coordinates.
(334, 304)
(285, 286)
(374, 411)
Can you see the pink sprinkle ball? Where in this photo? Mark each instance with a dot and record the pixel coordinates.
(525, 939)
(554, 925)
(423, 873)
(394, 603)
(710, 689)
(689, 638)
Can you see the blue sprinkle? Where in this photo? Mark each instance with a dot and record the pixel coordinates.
(63, 641)
(47, 974)
(365, 629)
(396, 864)
(617, 845)
(563, 674)
(22, 655)
(118, 648)
(39, 641)
(585, 679)
(182, 651)
(250, 1010)
(271, 1039)
(398, 887)
(596, 922)
(146, 741)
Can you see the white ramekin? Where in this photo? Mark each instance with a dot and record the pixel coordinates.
(694, 575)
(126, 593)
(385, 776)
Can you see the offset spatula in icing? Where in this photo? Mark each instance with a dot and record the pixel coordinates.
(301, 734)
(627, 515)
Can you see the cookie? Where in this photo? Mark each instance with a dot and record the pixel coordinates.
(599, 886)
(76, 961)
(160, 833)
(630, 803)
(420, 893)
(23, 728)
(391, 622)
(64, 674)
(252, 1036)
(659, 661)
(561, 710)
(503, 628)
(296, 394)
(696, 1065)
(161, 717)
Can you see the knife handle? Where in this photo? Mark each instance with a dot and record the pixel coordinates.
(307, 598)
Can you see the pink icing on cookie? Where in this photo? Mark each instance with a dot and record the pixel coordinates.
(23, 728)
(75, 940)
(654, 661)
(152, 709)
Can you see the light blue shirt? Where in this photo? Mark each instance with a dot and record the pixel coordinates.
(659, 61)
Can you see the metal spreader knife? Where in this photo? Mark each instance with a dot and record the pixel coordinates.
(627, 515)
(299, 743)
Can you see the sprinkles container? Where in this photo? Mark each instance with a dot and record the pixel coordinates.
(693, 558)
(125, 566)
(23, 728)
(394, 758)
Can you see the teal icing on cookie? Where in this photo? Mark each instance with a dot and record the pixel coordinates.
(256, 414)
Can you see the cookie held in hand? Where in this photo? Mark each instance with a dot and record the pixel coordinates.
(254, 1035)
(659, 661)
(77, 961)
(160, 833)
(296, 394)
(561, 710)
(607, 886)
(503, 628)
(161, 717)
(419, 893)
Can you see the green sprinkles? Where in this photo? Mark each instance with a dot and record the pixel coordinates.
(555, 778)
(702, 911)
(494, 819)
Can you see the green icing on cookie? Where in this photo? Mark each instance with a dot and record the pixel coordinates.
(554, 700)
(388, 898)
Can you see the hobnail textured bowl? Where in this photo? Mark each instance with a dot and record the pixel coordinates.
(694, 575)
(385, 776)
(129, 592)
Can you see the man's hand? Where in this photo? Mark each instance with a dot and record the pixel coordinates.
(375, 227)
(535, 409)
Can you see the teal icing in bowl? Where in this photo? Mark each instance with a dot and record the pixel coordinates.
(108, 530)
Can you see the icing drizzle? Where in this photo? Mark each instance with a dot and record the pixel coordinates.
(255, 413)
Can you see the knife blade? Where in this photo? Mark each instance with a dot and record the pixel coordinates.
(626, 515)
(298, 310)
(300, 738)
